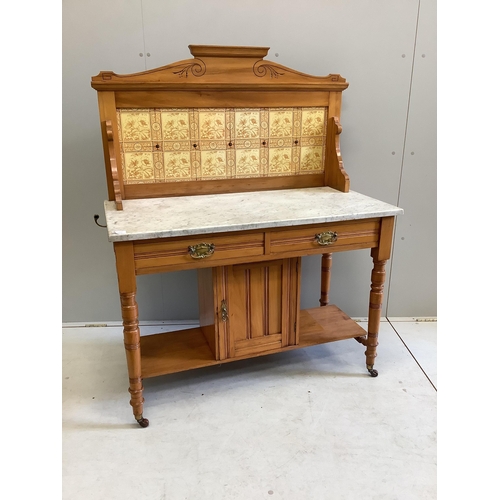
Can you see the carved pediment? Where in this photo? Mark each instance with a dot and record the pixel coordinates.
(220, 67)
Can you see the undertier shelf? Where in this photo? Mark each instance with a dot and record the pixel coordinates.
(172, 352)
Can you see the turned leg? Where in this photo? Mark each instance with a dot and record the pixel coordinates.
(132, 343)
(326, 265)
(380, 255)
(374, 313)
(127, 286)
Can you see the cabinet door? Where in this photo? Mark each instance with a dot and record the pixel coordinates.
(261, 301)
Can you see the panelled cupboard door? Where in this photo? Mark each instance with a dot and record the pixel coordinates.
(261, 303)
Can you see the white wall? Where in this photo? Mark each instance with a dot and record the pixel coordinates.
(388, 140)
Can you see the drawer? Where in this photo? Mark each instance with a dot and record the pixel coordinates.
(326, 238)
(195, 251)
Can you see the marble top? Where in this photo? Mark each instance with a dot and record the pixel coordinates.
(217, 213)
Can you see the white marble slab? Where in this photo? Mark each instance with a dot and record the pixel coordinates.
(203, 214)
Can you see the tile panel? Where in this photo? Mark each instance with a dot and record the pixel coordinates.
(172, 145)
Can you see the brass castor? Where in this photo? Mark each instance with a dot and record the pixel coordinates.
(372, 371)
(143, 422)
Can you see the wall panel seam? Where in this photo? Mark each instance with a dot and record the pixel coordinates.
(143, 38)
(402, 160)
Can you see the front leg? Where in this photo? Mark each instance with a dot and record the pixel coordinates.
(380, 255)
(125, 267)
(374, 313)
(132, 343)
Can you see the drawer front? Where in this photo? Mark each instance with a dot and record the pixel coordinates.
(197, 251)
(326, 238)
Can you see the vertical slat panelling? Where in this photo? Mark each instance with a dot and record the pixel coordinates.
(274, 299)
(238, 303)
(257, 308)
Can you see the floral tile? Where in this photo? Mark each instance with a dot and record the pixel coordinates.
(212, 124)
(177, 165)
(172, 145)
(247, 124)
(175, 125)
(281, 123)
(135, 126)
(311, 159)
(281, 161)
(213, 164)
(313, 122)
(248, 163)
(139, 167)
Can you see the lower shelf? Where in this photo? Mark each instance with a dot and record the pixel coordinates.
(172, 352)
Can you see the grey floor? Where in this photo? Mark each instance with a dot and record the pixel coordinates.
(307, 424)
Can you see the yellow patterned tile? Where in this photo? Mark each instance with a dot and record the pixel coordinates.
(313, 122)
(212, 124)
(213, 164)
(158, 144)
(247, 143)
(247, 162)
(280, 161)
(297, 122)
(138, 166)
(264, 123)
(312, 141)
(285, 142)
(158, 164)
(175, 125)
(155, 118)
(231, 163)
(195, 165)
(176, 146)
(207, 145)
(135, 126)
(247, 124)
(177, 165)
(130, 147)
(280, 123)
(311, 159)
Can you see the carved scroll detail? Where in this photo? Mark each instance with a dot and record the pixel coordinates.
(114, 167)
(260, 69)
(197, 68)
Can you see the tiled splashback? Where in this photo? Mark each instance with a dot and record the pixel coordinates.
(171, 145)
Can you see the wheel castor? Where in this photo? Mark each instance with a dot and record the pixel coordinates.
(143, 422)
(372, 371)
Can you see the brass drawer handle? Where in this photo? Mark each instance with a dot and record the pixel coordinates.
(326, 238)
(223, 309)
(201, 250)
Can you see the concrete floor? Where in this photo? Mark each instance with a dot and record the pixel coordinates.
(306, 424)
